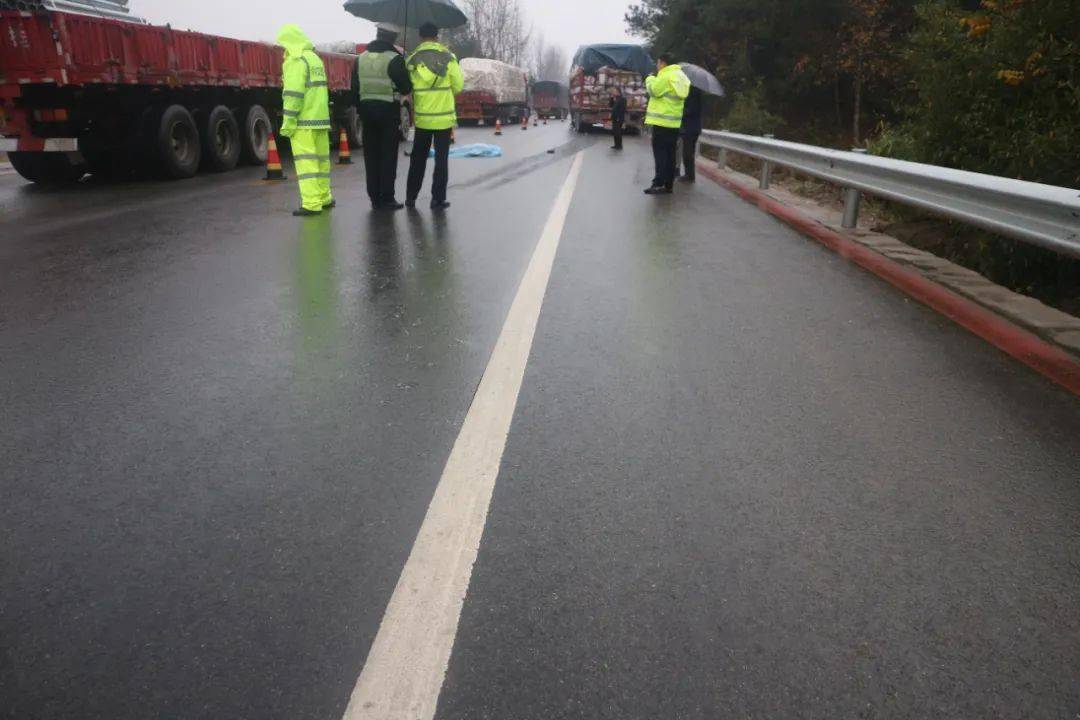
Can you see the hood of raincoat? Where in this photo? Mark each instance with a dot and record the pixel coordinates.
(293, 39)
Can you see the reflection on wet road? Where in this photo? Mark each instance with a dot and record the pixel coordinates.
(743, 479)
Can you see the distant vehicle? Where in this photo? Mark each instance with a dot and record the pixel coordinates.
(89, 91)
(551, 99)
(595, 71)
(493, 91)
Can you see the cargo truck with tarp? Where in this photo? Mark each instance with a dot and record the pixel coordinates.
(92, 89)
(597, 69)
(550, 99)
(493, 91)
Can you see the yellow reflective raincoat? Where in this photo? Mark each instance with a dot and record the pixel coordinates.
(306, 109)
(668, 91)
(436, 80)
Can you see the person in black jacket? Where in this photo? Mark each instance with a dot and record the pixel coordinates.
(383, 78)
(690, 132)
(618, 116)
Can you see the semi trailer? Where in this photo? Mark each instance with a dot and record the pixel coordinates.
(101, 93)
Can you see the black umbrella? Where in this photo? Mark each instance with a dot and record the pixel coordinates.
(702, 79)
(409, 13)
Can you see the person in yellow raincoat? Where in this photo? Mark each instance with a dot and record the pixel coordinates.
(306, 109)
(668, 90)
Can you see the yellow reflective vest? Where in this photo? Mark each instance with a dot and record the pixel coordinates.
(436, 79)
(305, 96)
(373, 70)
(667, 90)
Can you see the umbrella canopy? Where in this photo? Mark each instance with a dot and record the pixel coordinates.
(409, 13)
(702, 79)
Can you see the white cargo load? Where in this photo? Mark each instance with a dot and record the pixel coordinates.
(508, 84)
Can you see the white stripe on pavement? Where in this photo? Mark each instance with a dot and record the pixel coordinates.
(405, 668)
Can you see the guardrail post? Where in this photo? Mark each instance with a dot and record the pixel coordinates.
(721, 162)
(766, 170)
(852, 202)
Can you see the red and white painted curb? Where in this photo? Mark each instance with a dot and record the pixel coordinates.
(1030, 349)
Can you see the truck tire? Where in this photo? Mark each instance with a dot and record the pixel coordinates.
(220, 140)
(354, 130)
(47, 168)
(176, 144)
(255, 136)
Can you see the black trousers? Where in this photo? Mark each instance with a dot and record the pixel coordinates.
(617, 131)
(689, 155)
(381, 143)
(418, 164)
(665, 143)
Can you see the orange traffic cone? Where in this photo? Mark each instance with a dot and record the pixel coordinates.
(344, 154)
(524, 122)
(498, 126)
(273, 161)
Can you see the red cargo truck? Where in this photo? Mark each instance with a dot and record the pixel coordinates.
(475, 107)
(82, 93)
(551, 99)
(595, 70)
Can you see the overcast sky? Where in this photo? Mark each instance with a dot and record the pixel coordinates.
(563, 22)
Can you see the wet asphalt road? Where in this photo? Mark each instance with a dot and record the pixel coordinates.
(744, 479)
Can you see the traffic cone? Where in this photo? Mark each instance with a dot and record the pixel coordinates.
(524, 122)
(344, 154)
(535, 121)
(273, 161)
(498, 126)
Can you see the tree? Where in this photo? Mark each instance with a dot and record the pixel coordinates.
(997, 88)
(547, 62)
(496, 30)
(809, 57)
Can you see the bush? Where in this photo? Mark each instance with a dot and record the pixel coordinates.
(749, 114)
(894, 142)
(998, 90)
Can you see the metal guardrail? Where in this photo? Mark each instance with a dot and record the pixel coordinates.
(1043, 215)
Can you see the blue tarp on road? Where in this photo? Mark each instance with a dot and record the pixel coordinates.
(478, 150)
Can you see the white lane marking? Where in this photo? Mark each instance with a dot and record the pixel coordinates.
(405, 668)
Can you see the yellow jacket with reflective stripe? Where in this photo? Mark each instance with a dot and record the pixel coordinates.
(305, 97)
(667, 90)
(436, 79)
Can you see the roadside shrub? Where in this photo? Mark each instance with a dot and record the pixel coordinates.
(749, 114)
(998, 89)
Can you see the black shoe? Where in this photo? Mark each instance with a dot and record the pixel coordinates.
(440, 205)
(391, 205)
(330, 205)
(686, 179)
(658, 191)
(304, 212)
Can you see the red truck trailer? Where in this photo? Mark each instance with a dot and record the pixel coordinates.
(551, 99)
(81, 93)
(595, 70)
(475, 107)
(493, 91)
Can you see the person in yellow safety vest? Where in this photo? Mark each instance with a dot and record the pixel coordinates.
(383, 79)
(306, 110)
(667, 90)
(436, 80)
